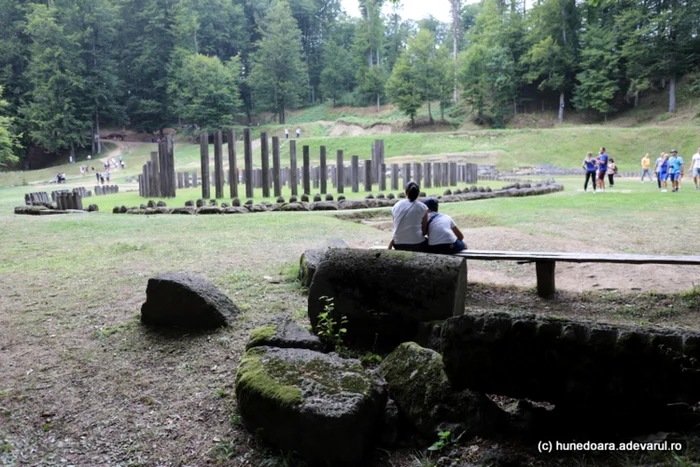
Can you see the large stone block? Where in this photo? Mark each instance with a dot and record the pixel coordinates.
(322, 407)
(183, 300)
(569, 363)
(385, 293)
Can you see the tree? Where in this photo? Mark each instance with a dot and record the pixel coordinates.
(369, 41)
(55, 75)
(403, 88)
(597, 84)
(337, 75)
(279, 76)
(8, 140)
(206, 90)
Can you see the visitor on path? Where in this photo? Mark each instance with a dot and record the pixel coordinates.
(102, 179)
(612, 171)
(298, 132)
(602, 169)
(646, 162)
(663, 172)
(443, 235)
(589, 165)
(286, 133)
(410, 215)
(657, 168)
(695, 169)
(108, 175)
(97, 175)
(675, 170)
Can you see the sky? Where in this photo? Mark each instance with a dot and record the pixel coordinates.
(411, 9)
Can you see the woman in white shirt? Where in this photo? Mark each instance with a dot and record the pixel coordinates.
(409, 216)
(443, 235)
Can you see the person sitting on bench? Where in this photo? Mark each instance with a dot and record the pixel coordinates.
(443, 235)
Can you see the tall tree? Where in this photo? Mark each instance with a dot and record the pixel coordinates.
(55, 73)
(455, 11)
(369, 41)
(9, 141)
(337, 76)
(279, 77)
(598, 82)
(206, 90)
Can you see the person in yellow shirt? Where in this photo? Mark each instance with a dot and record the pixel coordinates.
(646, 162)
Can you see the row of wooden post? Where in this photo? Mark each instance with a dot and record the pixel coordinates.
(430, 174)
(158, 176)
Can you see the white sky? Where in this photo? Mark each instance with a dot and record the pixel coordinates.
(411, 9)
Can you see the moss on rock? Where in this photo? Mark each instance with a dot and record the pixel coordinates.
(263, 378)
(261, 334)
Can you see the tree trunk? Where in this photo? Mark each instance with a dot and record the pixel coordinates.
(560, 117)
(379, 109)
(72, 151)
(92, 140)
(430, 113)
(455, 36)
(636, 99)
(672, 95)
(281, 116)
(97, 128)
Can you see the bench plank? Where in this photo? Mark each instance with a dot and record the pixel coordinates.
(491, 255)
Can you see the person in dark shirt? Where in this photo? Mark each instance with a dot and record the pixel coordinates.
(589, 165)
(602, 169)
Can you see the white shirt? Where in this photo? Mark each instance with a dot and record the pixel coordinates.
(440, 229)
(408, 217)
(696, 160)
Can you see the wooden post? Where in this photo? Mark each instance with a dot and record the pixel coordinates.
(428, 175)
(265, 155)
(368, 174)
(204, 154)
(293, 180)
(276, 165)
(323, 171)
(418, 169)
(306, 176)
(180, 181)
(186, 177)
(545, 278)
(170, 156)
(195, 182)
(453, 174)
(406, 174)
(248, 156)
(154, 183)
(339, 172)
(148, 176)
(355, 173)
(394, 176)
(444, 173)
(232, 164)
(382, 177)
(218, 164)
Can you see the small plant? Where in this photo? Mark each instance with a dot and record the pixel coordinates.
(370, 359)
(221, 393)
(46, 427)
(236, 420)
(328, 329)
(445, 439)
(223, 451)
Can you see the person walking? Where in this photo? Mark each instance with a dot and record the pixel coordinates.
(286, 133)
(612, 170)
(602, 169)
(646, 162)
(298, 132)
(663, 172)
(657, 168)
(695, 169)
(409, 216)
(675, 170)
(589, 165)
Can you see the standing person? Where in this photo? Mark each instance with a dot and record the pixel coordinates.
(410, 215)
(646, 162)
(286, 133)
(298, 132)
(589, 165)
(657, 168)
(108, 175)
(663, 172)
(612, 170)
(602, 169)
(695, 169)
(444, 237)
(97, 175)
(675, 170)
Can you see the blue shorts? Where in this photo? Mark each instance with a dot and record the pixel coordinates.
(674, 177)
(663, 176)
(447, 248)
(696, 172)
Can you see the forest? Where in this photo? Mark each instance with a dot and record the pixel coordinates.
(69, 67)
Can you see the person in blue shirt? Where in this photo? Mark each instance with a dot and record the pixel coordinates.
(588, 165)
(602, 169)
(663, 171)
(675, 170)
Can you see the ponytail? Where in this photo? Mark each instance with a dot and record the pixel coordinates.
(412, 191)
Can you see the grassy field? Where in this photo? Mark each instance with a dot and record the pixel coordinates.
(85, 382)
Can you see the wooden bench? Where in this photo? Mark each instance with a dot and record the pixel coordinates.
(546, 261)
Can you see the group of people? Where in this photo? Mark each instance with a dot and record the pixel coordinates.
(597, 168)
(413, 220)
(670, 167)
(286, 133)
